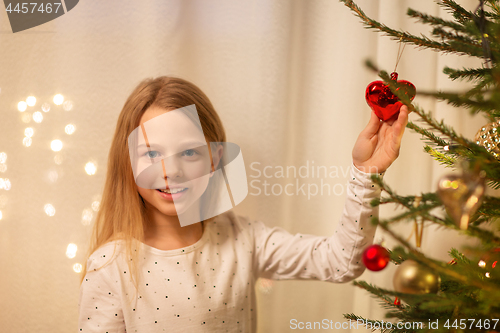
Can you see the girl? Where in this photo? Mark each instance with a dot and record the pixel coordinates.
(146, 273)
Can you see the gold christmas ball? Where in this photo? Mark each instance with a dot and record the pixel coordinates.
(488, 136)
(413, 278)
(461, 195)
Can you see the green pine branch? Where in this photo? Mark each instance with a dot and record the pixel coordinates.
(434, 20)
(459, 13)
(403, 36)
(444, 159)
(469, 74)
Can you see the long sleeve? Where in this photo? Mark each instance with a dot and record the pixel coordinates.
(100, 301)
(280, 255)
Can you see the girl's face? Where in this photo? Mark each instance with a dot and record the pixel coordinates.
(178, 158)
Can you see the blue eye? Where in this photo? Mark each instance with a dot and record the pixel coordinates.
(189, 152)
(152, 154)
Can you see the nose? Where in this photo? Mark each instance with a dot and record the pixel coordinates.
(172, 168)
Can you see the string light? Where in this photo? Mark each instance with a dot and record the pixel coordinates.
(53, 176)
(6, 184)
(71, 250)
(77, 268)
(49, 210)
(38, 117)
(31, 100)
(58, 159)
(95, 206)
(29, 132)
(21, 106)
(58, 99)
(56, 145)
(68, 105)
(87, 215)
(90, 168)
(69, 129)
(27, 141)
(45, 107)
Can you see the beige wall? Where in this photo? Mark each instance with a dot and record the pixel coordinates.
(288, 80)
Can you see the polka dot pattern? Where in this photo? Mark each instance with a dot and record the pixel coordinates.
(209, 286)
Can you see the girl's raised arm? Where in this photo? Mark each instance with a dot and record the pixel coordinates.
(281, 255)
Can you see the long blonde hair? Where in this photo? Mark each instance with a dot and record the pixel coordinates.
(122, 213)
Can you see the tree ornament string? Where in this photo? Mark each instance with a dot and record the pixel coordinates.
(382, 100)
(400, 53)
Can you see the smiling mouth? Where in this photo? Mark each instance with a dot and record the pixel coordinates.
(173, 190)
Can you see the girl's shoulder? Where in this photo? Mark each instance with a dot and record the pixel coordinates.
(105, 255)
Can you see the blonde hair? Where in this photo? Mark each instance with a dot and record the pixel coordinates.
(122, 213)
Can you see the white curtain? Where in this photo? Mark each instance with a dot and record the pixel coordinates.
(288, 80)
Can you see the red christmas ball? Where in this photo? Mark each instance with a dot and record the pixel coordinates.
(376, 257)
(381, 99)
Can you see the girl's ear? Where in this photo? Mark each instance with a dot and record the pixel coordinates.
(216, 158)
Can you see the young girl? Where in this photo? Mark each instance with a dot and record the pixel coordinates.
(146, 273)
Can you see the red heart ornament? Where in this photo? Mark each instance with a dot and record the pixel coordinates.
(381, 99)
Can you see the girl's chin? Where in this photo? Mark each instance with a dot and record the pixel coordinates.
(171, 211)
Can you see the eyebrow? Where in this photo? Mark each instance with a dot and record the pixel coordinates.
(186, 143)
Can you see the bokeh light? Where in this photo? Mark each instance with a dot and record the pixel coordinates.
(87, 215)
(3, 157)
(1, 215)
(49, 210)
(95, 206)
(58, 99)
(69, 129)
(67, 106)
(2, 183)
(77, 268)
(29, 132)
(3, 167)
(56, 145)
(6, 184)
(37, 117)
(45, 107)
(4, 200)
(71, 250)
(53, 176)
(90, 168)
(26, 118)
(21, 106)
(58, 159)
(27, 141)
(31, 100)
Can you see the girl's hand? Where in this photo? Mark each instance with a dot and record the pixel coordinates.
(378, 144)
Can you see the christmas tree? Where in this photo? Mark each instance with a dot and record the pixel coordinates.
(462, 294)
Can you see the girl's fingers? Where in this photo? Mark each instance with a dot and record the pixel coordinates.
(373, 125)
(400, 124)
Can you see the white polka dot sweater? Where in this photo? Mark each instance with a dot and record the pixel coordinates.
(209, 286)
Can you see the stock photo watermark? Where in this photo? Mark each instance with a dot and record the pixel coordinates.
(462, 323)
(25, 15)
(308, 180)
